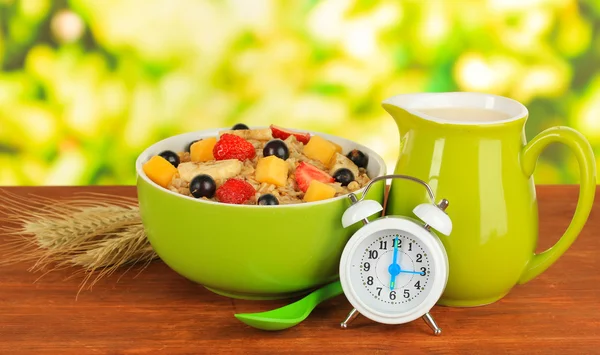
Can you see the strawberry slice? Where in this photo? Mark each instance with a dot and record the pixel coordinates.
(305, 173)
(230, 146)
(235, 191)
(283, 133)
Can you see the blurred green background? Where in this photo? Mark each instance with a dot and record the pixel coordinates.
(86, 85)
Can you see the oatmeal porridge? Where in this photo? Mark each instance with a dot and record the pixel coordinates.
(266, 166)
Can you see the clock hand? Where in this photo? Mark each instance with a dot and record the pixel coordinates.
(394, 268)
(411, 272)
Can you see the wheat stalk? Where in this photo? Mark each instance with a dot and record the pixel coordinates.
(96, 233)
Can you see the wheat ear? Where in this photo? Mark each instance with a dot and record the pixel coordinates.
(98, 233)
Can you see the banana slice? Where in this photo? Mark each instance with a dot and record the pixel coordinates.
(218, 170)
(342, 161)
(261, 134)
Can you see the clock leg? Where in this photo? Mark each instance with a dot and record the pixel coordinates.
(431, 323)
(353, 314)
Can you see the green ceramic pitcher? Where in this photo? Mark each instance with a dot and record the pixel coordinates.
(471, 149)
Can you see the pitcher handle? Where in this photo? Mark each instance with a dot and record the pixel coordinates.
(587, 169)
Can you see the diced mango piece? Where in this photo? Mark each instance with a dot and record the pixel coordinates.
(202, 150)
(338, 148)
(318, 191)
(159, 170)
(319, 148)
(272, 170)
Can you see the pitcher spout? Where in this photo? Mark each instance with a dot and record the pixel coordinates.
(404, 102)
(401, 107)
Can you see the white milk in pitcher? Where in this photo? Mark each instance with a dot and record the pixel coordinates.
(465, 114)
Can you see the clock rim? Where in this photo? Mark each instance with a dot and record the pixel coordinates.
(428, 238)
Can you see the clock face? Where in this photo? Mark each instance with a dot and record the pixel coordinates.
(392, 271)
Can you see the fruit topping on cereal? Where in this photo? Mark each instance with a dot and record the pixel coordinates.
(306, 173)
(343, 176)
(202, 150)
(359, 158)
(159, 170)
(267, 199)
(320, 149)
(236, 191)
(272, 170)
(258, 134)
(203, 185)
(283, 133)
(338, 148)
(230, 146)
(318, 191)
(340, 161)
(276, 147)
(260, 166)
(170, 156)
(218, 170)
(189, 146)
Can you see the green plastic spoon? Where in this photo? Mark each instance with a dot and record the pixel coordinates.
(292, 314)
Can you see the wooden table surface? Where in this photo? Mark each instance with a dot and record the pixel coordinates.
(159, 312)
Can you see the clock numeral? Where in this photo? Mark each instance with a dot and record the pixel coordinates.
(409, 246)
(370, 280)
(373, 254)
(383, 244)
(419, 258)
(397, 242)
(406, 293)
(379, 291)
(423, 271)
(418, 285)
(366, 266)
(393, 295)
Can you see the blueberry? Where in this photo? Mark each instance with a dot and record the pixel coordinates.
(171, 157)
(344, 176)
(359, 158)
(240, 126)
(203, 185)
(276, 147)
(267, 199)
(189, 146)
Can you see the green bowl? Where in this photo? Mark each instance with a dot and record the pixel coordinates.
(243, 251)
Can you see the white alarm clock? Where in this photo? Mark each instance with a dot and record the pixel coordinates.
(394, 269)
